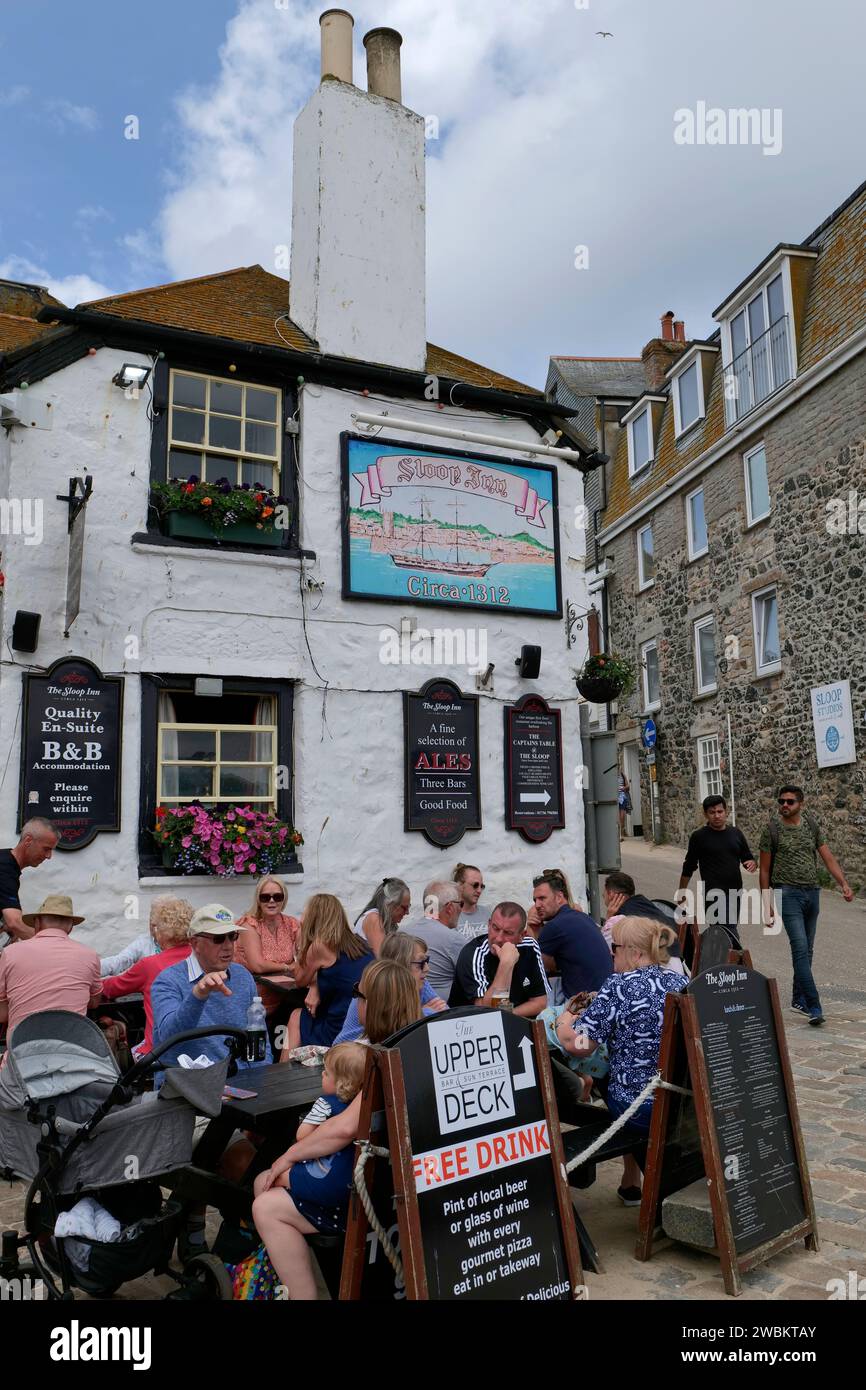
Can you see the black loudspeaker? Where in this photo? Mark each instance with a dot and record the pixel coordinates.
(529, 662)
(25, 631)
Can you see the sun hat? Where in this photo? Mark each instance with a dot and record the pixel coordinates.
(55, 905)
(213, 920)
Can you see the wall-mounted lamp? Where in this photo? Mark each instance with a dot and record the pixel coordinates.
(529, 663)
(131, 374)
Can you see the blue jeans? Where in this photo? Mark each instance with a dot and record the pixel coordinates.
(800, 920)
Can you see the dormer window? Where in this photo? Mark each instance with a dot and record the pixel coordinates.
(758, 332)
(688, 406)
(640, 442)
(690, 380)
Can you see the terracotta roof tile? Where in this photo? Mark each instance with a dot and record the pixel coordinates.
(250, 305)
(17, 332)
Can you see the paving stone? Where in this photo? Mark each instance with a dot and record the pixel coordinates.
(853, 1150)
(762, 1278)
(840, 1173)
(835, 1211)
(849, 1237)
(830, 1191)
(803, 1291)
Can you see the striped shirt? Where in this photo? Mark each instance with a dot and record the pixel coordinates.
(477, 965)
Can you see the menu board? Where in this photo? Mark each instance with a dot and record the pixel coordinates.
(442, 789)
(71, 751)
(533, 769)
(749, 1104)
(481, 1164)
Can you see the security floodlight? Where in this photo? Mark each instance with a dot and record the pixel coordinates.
(131, 374)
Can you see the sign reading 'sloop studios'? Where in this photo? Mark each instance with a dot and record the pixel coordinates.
(442, 793)
(71, 750)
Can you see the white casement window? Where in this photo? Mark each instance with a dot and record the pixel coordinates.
(696, 524)
(759, 349)
(646, 560)
(219, 428)
(757, 485)
(649, 660)
(640, 442)
(218, 763)
(765, 625)
(688, 393)
(705, 655)
(709, 767)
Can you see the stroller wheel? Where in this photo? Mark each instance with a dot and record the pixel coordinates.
(211, 1275)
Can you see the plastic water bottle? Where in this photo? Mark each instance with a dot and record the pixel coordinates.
(257, 1033)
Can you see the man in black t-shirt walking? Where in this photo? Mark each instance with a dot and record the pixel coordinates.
(718, 850)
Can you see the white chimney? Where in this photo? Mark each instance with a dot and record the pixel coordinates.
(358, 209)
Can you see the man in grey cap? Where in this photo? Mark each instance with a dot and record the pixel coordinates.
(203, 991)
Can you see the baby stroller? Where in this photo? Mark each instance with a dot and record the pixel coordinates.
(76, 1127)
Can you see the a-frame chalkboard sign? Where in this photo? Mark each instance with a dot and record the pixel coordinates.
(723, 1042)
(474, 1192)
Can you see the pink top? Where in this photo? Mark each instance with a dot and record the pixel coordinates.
(139, 978)
(48, 971)
(278, 942)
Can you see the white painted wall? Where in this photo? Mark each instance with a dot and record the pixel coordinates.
(207, 613)
(358, 227)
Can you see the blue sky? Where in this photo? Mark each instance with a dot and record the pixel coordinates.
(551, 138)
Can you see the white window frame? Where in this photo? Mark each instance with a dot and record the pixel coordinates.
(197, 453)
(642, 581)
(709, 759)
(701, 688)
(753, 520)
(633, 467)
(779, 267)
(693, 553)
(770, 668)
(650, 705)
(679, 427)
(216, 764)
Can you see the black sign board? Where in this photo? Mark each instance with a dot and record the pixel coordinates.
(71, 751)
(442, 792)
(476, 1153)
(534, 802)
(727, 1026)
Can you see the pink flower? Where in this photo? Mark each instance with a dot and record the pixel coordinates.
(230, 815)
(186, 841)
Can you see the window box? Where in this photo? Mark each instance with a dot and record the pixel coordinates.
(188, 526)
(230, 841)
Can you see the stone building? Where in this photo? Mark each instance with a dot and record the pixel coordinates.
(268, 671)
(726, 538)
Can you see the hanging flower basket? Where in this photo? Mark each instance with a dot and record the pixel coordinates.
(230, 841)
(605, 677)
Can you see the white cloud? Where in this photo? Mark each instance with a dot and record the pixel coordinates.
(65, 114)
(69, 289)
(13, 96)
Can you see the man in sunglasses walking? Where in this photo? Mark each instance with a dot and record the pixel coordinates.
(789, 850)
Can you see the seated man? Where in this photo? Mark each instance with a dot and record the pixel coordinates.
(438, 927)
(202, 991)
(621, 899)
(501, 962)
(48, 971)
(571, 944)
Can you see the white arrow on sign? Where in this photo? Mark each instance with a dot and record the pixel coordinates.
(527, 1076)
(535, 796)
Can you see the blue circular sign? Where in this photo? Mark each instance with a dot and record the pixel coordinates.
(832, 739)
(648, 737)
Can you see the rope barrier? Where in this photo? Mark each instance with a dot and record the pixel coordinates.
(366, 1150)
(623, 1119)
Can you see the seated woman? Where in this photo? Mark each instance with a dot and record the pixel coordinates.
(384, 912)
(410, 951)
(626, 1015)
(169, 927)
(388, 1001)
(330, 957)
(270, 945)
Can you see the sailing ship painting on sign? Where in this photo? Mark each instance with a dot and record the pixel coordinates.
(439, 526)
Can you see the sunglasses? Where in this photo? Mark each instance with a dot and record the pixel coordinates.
(420, 964)
(222, 936)
(356, 993)
(272, 897)
(616, 946)
(482, 886)
(787, 801)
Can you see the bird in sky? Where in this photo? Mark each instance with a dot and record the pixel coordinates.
(604, 34)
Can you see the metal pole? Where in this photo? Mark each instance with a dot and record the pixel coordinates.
(591, 837)
(731, 772)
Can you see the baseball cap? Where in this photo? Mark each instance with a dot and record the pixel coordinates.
(213, 920)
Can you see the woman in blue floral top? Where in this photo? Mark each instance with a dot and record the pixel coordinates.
(626, 1015)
